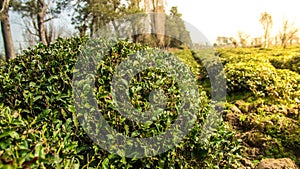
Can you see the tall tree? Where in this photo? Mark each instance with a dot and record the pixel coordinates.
(243, 38)
(81, 17)
(93, 14)
(222, 41)
(256, 42)
(157, 20)
(233, 41)
(176, 27)
(5, 28)
(40, 12)
(267, 23)
(137, 23)
(53, 31)
(287, 33)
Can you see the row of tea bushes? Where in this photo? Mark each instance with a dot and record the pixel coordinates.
(263, 87)
(39, 126)
(263, 80)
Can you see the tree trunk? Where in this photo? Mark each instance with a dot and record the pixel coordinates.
(6, 32)
(158, 21)
(92, 25)
(116, 29)
(266, 40)
(40, 20)
(159, 24)
(49, 34)
(82, 30)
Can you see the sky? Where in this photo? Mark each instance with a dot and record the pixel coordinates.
(213, 18)
(226, 17)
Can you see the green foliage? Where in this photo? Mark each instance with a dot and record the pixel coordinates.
(263, 80)
(32, 142)
(39, 126)
(250, 69)
(263, 85)
(96, 14)
(37, 110)
(186, 55)
(175, 26)
(291, 63)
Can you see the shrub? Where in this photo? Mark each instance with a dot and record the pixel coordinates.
(292, 63)
(186, 55)
(39, 126)
(263, 80)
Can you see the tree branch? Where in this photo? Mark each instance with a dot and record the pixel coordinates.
(4, 6)
(49, 19)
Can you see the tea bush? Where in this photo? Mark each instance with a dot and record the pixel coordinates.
(37, 107)
(263, 80)
(186, 55)
(291, 63)
(39, 126)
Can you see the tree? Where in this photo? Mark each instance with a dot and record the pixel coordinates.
(29, 35)
(156, 22)
(39, 12)
(53, 31)
(288, 33)
(159, 20)
(91, 15)
(175, 26)
(137, 24)
(224, 41)
(172, 29)
(6, 31)
(267, 23)
(233, 41)
(81, 17)
(243, 37)
(256, 42)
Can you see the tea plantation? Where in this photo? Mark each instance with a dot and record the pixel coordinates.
(39, 125)
(263, 87)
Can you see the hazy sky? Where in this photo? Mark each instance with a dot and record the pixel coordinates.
(226, 17)
(214, 17)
